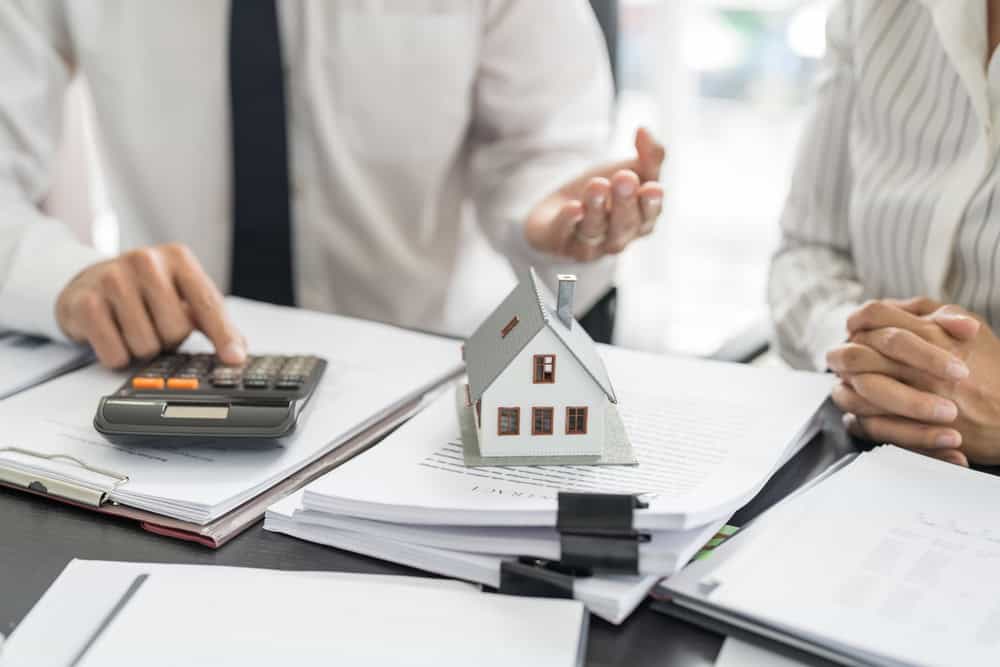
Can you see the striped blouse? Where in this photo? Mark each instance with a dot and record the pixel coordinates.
(894, 193)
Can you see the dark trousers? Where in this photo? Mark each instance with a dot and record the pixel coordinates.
(599, 321)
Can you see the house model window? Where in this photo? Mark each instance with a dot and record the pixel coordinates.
(576, 421)
(508, 421)
(541, 421)
(545, 368)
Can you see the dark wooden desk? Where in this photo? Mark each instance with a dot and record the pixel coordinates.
(39, 537)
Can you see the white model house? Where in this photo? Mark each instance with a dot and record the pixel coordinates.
(536, 382)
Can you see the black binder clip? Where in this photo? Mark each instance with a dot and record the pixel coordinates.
(538, 578)
(597, 532)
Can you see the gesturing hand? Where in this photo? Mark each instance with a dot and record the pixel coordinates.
(604, 210)
(922, 375)
(143, 302)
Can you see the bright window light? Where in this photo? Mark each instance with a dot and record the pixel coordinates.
(710, 45)
(806, 31)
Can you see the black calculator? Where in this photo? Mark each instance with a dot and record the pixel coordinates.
(196, 395)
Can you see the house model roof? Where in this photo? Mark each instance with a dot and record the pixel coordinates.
(488, 352)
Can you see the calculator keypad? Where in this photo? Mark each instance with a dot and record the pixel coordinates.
(188, 372)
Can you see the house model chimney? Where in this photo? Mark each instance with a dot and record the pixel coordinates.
(564, 299)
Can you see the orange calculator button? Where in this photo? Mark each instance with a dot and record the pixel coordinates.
(147, 383)
(182, 383)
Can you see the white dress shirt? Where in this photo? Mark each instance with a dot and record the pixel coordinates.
(895, 187)
(399, 112)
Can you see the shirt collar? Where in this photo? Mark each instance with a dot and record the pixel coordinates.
(961, 27)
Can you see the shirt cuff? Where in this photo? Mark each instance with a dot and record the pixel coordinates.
(827, 329)
(593, 279)
(44, 262)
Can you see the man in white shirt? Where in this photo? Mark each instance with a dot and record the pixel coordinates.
(894, 202)
(310, 153)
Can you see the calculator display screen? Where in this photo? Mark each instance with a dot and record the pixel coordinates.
(196, 411)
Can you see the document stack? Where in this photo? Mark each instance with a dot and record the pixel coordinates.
(205, 489)
(707, 436)
(890, 560)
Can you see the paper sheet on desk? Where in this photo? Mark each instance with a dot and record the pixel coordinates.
(190, 614)
(78, 601)
(372, 368)
(893, 558)
(707, 435)
(28, 360)
(738, 653)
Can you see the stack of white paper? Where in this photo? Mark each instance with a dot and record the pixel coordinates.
(104, 613)
(28, 360)
(612, 598)
(372, 370)
(890, 561)
(707, 437)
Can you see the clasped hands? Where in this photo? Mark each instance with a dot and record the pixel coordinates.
(924, 376)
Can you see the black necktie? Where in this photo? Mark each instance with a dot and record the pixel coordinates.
(262, 231)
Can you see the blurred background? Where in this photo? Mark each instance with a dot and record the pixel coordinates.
(724, 83)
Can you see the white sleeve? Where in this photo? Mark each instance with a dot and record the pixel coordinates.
(813, 284)
(38, 255)
(543, 100)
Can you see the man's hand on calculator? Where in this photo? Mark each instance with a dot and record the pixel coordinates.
(143, 302)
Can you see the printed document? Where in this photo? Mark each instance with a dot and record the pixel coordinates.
(708, 435)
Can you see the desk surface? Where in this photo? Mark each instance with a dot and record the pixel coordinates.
(39, 537)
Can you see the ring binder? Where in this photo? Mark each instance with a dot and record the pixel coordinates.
(53, 486)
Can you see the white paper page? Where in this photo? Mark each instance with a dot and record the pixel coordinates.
(269, 620)
(895, 556)
(27, 360)
(83, 594)
(371, 368)
(707, 436)
(738, 653)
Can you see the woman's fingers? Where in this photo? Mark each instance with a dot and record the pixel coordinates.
(896, 398)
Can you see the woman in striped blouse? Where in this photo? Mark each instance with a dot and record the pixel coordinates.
(889, 268)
